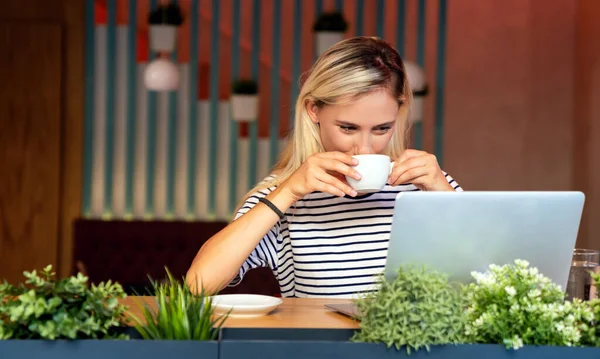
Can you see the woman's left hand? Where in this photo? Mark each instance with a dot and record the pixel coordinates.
(421, 169)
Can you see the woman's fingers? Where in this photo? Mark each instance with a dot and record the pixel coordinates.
(419, 176)
(342, 157)
(333, 185)
(338, 162)
(404, 172)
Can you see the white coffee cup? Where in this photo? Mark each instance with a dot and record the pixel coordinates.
(374, 170)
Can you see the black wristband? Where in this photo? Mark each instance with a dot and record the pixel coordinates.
(272, 206)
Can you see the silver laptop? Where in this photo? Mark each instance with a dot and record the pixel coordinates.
(461, 232)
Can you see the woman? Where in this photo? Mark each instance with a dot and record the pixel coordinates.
(304, 221)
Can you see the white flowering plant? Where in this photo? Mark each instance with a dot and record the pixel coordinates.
(515, 305)
(592, 336)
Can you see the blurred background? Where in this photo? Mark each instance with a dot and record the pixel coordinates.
(121, 155)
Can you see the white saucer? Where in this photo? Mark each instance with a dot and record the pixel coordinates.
(245, 305)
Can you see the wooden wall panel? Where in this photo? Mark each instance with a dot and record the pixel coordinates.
(72, 128)
(30, 124)
(65, 54)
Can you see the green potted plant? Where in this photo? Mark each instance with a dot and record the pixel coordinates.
(69, 318)
(163, 23)
(179, 314)
(50, 309)
(329, 29)
(591, 337)
(62, 318)
(516, 306)
(509, 307)
(417, 309)
(244, 100)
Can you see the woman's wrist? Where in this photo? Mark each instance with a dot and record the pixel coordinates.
(281, 198)
(442, 185)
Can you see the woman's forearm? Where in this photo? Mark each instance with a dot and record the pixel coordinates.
(221, 257)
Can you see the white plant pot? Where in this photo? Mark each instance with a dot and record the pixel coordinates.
(325, 40)
(416, 112)
(163, 37)
(244, 108)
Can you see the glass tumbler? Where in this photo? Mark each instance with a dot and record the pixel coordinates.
(580, 284)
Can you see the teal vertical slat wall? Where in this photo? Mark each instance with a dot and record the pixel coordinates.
(254, 64)
(110, 55)
(151, 139)
(192, 110)
(171, 141)
(421, 11)
(380, 19)
(214, 107)
(295, 89)
(275, 80)
(440, 83)
(131, 105)
(400, 26)
(88, 138)
(109, 150)
(339, 5)
(234, 128)
(318, 11)
(360, 8)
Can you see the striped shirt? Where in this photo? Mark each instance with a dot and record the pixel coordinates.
(328, 246)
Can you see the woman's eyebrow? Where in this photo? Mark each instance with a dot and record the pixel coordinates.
(389, 123)
(350, 124)
(346, 123)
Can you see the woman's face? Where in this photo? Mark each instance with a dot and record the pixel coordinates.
(361, 127)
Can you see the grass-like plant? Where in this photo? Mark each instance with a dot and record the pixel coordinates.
(418, 308)
(180, 313)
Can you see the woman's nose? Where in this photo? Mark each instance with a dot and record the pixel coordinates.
(364, 147)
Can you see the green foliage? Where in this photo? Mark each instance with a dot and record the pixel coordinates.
(515, 305)
(245, 87)
(417, 309)
(46, 308)
(591, 337)
(180, 314)
(166, 15)
(331, 22)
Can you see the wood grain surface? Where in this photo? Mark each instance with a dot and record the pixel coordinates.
(30, 130)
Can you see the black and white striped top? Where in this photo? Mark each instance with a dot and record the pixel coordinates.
(327, 245)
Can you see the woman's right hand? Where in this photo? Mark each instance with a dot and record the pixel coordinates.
(323, 172)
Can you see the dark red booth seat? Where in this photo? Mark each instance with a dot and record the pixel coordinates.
(130, 251)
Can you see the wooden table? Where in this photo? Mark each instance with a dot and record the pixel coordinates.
(292, 313)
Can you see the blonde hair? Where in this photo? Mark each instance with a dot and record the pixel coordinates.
(348, 70)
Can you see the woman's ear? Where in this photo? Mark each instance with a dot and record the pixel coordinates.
(312, 109)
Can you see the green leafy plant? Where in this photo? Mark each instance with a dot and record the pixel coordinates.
(330, 22)
(245, 87)
(515, 305)
(169, 14)
(418, 308)
(591, 337)
(180, 314)
(46, 308)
